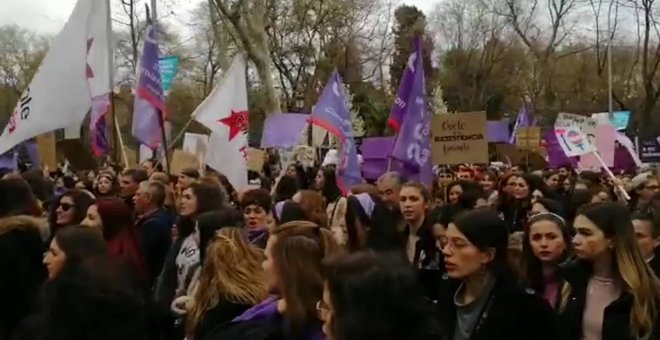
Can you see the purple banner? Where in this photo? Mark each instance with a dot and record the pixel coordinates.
(283, 130)
(497, 131)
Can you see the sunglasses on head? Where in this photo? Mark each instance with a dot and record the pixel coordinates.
(66, 206)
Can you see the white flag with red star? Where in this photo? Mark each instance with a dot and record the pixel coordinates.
(225, 113)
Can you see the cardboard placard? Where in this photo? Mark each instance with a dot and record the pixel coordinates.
(196, 144)
(528, 138)
(459, 138)
(47, 153)
(182, 160)
(305, 155)
(256, 159)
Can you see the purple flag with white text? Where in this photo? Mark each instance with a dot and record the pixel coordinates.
(331, 113)
(401, 102)
(412, 146)
(149, 95)
(523, 120)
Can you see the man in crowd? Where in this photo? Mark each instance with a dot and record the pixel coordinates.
(129, 181)
(648, 238)
(389, 186)
(153, 224)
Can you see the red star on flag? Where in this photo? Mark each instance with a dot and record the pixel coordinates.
(237, 122)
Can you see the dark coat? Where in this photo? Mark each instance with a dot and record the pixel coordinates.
(155, 236)
(511, 313)
(655, 263)
(616, 318)
(21, 267)
(222, 313)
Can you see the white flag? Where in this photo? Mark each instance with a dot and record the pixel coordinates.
(59, 95)
(225, 113)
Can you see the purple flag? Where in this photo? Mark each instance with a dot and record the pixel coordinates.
(523, 120)
(405, 88)
(32, 151)
(98, 126)
(497, 131)
(375, 152)
(283, 130)
(556, 156)
(412, 145)
(331, 113)
(149, 96)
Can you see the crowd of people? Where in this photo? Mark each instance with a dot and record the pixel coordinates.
(487, 252)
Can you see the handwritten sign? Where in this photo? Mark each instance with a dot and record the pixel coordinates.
(459, 138)
(528, 138)
(576, 134)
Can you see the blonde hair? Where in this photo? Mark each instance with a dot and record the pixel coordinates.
(642, 284)
(312, 203)
(231, 272)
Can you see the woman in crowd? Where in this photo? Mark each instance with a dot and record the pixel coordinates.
(506, 203)
(414, 202)
(71, 209)
(21, 253)
(614, 293)
(312, 202)
(454, 191)
(545, 205)
(546, 244)
(114, 219)
(288, 211)
(183, 258)
(257, 205)
(326, 183)
(294, 276)
(487, 303)
(488, 181)
(87, 296)
(105, 185)
(551, 179)
(374, 296)
(231, 281)
(528, 187)
(285, 188)
(371, 224)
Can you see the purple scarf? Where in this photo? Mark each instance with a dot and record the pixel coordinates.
(267, 310)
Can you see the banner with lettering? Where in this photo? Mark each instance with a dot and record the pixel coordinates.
(459, 138)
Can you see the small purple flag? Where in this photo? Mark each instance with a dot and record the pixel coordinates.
(331, 113)
(98, 126)
(412, 145)
(523, 120)
(284, 130)
(405, 88)
(149, 96)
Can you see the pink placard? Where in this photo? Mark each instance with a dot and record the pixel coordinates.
(605, 138)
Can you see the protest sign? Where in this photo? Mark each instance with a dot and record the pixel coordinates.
(256, 159)
(619, 119)
(459, 138)
(196, 144)
(575, 133)
(528, 138)
(47, 153)
(183, 160)
(649, 149)
(305, 155)
(604, 144)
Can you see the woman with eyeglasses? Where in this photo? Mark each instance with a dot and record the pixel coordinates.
(374, 296)
(614, 293)
(294, 277)
(546, 244)
(71, 209)
(484, 300)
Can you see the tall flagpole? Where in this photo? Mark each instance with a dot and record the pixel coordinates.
(161, 120)
(609, 61)
(118, 138)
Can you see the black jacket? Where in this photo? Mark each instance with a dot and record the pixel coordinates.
(21, 269)
(222, 313)
(616, 319)
(655, 263)
(511, 313)
(155, 237)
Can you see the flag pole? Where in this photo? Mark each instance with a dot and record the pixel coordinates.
(111, 79)
(161, 120)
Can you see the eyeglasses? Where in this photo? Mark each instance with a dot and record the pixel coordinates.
(66, 206)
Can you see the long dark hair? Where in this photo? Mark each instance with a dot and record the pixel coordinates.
(82, 200)
(91, 298)
(16, 198)
(209, 197)
(377, 297)
(485, 229)
(379, 224)
(330, 190)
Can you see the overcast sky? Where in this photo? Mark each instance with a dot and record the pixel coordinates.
(49, 16)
